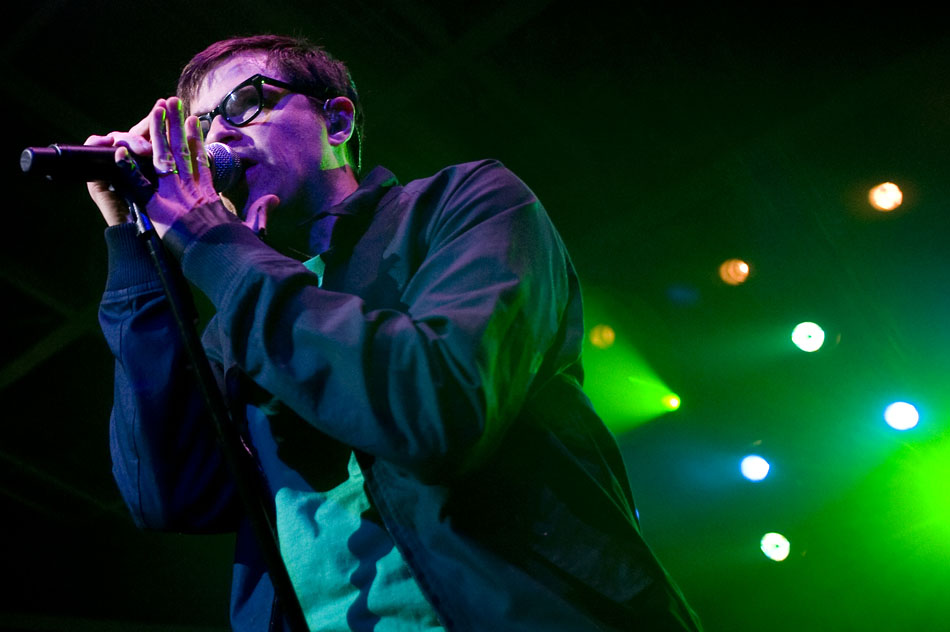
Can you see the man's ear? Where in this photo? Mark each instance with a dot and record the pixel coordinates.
(339, 113)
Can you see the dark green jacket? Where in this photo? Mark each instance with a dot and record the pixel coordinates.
(444, 349)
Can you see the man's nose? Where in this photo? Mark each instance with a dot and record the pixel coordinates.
(221, 131)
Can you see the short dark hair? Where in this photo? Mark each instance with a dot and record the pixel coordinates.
(305, 65)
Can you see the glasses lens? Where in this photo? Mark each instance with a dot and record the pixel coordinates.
(242, 104)
(204, 122)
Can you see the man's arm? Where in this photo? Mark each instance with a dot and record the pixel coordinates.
(165, 459)
(430, 387)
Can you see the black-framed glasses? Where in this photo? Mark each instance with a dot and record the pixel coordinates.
(242, 105)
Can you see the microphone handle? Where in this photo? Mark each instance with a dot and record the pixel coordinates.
(82, 163)
(77, 163)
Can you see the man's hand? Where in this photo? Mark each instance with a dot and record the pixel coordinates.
(181, 165)
(176, 147)
(136, 140)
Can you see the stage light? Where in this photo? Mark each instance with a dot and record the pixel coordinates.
(602, 336)
(754, 467)
(775, 546)
(621, 384)
(672, 401)
(901, 416)
(808, 337)
(734, 271)
(886, 196)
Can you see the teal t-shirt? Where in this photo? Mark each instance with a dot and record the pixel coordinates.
(348, 574)
(345, 568)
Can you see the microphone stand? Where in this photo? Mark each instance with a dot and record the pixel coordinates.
(248, 480)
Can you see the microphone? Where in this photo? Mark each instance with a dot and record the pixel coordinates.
(82, 163)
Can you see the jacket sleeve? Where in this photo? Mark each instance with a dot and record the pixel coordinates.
(165, 458)
(430, 386)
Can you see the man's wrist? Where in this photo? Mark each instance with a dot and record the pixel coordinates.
(129, 263)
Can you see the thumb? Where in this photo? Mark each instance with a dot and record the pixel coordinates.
(258, 212)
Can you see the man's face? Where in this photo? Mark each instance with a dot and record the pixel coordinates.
(283, 148)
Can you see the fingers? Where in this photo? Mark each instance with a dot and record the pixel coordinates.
(177, 137)
(200, 160)
(178, 147)
(162, 158)
(113, 208)
(134, 142)
(100, 141)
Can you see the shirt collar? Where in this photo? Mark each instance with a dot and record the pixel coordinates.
(368, 195)
(344, 223)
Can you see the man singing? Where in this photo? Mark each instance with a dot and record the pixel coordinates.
(402, 360)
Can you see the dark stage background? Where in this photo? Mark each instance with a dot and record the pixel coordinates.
(662, 142)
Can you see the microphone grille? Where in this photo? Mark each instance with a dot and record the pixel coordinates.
(225, 166)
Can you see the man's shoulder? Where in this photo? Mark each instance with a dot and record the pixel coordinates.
(487, 173)
(479, 182)
(462, 195)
